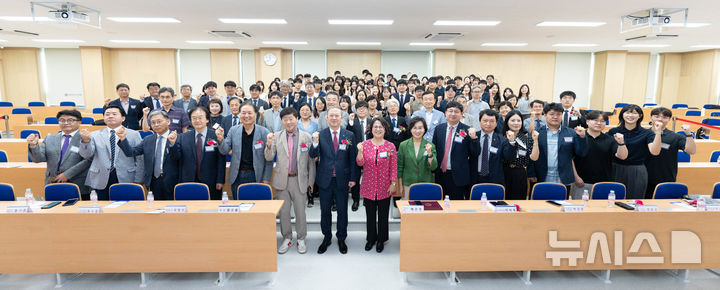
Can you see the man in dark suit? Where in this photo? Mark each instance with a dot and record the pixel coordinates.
(153, 100)
(288, 100)
(198, 151)
(186, 102)
(131, 107)
(336, 172)
(398, 126)
(454, 150)
(309, 97)
(298, 94)
(572, 117)
(403, 97)
(255, 98)
(162, 171)
(234, 118)
(492, 151)
(358, 125)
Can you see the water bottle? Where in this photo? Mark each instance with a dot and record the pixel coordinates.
(611, 198)
(701, 204)
(150, 199)
(446, 203)
(225, 198)
(29, 198)
(94, 198)
(585, 197)
(483, 200)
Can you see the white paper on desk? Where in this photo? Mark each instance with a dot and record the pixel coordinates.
(9, 166)
(116, 204)
(246, 206)
(683, 205)
(159, 210)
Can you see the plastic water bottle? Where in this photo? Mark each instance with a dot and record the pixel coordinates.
(446, 203)
(585, 197)
(611, 198)
(94, 198)
(150, 199)
(29, 198)
(225, 198)
(701, 204)
(483, 200)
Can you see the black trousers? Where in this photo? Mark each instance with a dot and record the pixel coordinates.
(377, 212)
(355, 190)
(161, 189)
(446, 181)
(104, 194)
(341, 199)
(516, 182)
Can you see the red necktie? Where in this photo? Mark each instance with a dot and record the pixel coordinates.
(448, 143)
(335, 141)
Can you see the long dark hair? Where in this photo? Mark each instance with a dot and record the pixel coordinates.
(506, 127)
(520, 94)
(630, 107)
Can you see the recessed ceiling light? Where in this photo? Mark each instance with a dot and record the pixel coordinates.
(134, 41)
(688, 25)
(646, 45)
(286, 42)
(58, 40)
(706, 46)
(504, 44)
(252, 21)
(357, 43)
(432, 43)
(24, 18)
(466, 23)
(574, 45)
(570, 24)
(209, 41)
(144, 19)
(360, 22)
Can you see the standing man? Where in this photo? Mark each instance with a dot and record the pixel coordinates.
(179, 121)
(663, 167)
(187, 103)
(255, 98)
(477, 103)
(131, 107)
(536, 120)
(287, 99)
(398, 125)
(336, 172)
(153, 100)
(432, 117)
(333, 100)
(493, 149)
(61, 152)
(453, 140)
(293, 176)
(402, 96)
(572, 117)
(233, 119)
(310, 96)
(109, 164)
(210, 92)
(271, 118)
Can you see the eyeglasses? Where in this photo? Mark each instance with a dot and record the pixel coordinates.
(67, 121)
(153, 123)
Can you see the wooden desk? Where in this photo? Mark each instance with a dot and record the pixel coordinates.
(16, 149)
(705, 147)
(487, 241)
(60, 240)
(699, 176)
(49, 129)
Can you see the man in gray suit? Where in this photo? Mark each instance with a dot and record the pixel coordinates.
(271, 119)
(333, 100)
(61, 152)
(187, 103)
(247, 143)
(293, 175)
(109, 164)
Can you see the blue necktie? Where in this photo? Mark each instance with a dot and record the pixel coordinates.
(234, 120)
(62, 152)
(537, 124)
(158, 157)
(112, 149)
(394, 123)
(157, 104)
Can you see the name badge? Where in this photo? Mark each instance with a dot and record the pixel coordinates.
(396, 130)
(303, 149)
(383, 155)
(573, 117)
(342, 147)
(74, 149)
(209, 148)
(458, 139)
(436, 122)
(665, 146)
(132, 106)
(258, 146)
(522, 152)
(492, 150)
(175, 121)
(568, 139)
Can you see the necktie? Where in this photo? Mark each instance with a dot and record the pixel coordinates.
(158, 157)
(157, 104)
(62, 152)
(364, 135)
(566, 118)
(290, 151)
(402, 100)
(485, 167)
(198, 154)
(448, 143)
(335, 141)
(255, 103)
(112, 149)
(537, 124)
(235, 120)
(310, 102)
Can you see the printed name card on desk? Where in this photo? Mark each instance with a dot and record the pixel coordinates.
(505, 208)
(246, 206)
(18, 209)
(646, 208)
(712, 207)
(176, 209)
(413, 208)
(228, 208)
(90, 209)
(573, 208)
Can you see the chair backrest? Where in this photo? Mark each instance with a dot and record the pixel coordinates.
(716, 190)
(144, 134)
(61, 191)
(67, 104)
(548, 191)
(36, 104)
(711, 121)
(254, 191)
(21, 111)
(87, 121)
(25, 133)
(3, 156)
(620, 105)
(6, 104)
(126, 191)
(693, 113)
(670, 190)
(714, 156)
(683, 157)
(7, 192)
(601, 190)
(425, 191)
(97, 110)
(192, 191)
(51, 120)
(715, 114)
(649, 105)
(679, 106)
(708, 106)
(492, 191)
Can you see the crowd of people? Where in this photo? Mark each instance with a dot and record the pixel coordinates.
(342, 138)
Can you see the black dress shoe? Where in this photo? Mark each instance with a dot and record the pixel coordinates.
(310, 202)
(368, 246)
(323, 246)
(334, 207)
(380, 246)
(355, 205)
(343, 247)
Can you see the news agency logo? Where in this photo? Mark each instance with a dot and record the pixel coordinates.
(685, 248)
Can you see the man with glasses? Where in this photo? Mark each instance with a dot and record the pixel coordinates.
(179, 121)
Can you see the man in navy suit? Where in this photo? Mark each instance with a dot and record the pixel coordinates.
(454, 150)
(336, 172)
(492, 151)
(199, 154)
(403, 97)
(132, 107)
(153, 100)
(234, 118)
(163, 171)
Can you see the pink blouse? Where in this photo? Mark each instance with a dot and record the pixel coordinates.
(380, 169)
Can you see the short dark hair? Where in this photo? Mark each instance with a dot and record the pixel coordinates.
(254, 87)
(234, 99)
(484, 82)
(71, 113)
(249, 103)
(307, 75)
(205, 110)
(665, 112)
(230, 84)
(275, 93)
(415, 120)
(289, 111)
(297, 80)
(557, 107)
(122, 85)
(153, 84)
(122, 112)
(537, 102)
(489, 112)
(371, 98)
(215, 101)
(432, 80)
(420, 88)
(490, 76)
(453, 104)
(592, 115)
(402, 82)
(568, 93)
(209, 84)
(361, 104)
(337, 72)
(505, 103)
(451, 87)
(167, 89)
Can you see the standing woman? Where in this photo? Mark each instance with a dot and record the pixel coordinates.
(319, 108)
(378, 158)
(516, 177)
(305, 123)
(524, 100)
(416, 158)
(495, 98)
(640, 144)
(507, 92)
(215, 107)
(263, 94)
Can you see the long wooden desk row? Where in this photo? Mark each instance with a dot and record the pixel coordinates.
(541, 237)
(129, 240)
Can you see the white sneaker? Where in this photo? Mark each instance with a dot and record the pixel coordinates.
(285, 246)
(302, 248)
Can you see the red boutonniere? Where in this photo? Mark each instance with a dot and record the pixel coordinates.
(260, 142)
(402, 128)
(346, 142)
(211, 142)
(303, 145)
(462, 133)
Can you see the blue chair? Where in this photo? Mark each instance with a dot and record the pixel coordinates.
(144, 134)
(87, 121)
(711, 121)
(7, 192)
(36, 104)
(693, 113)
(6, 104)
(126, 191)
(620, 105)
(708, 106)
(601, 190)
(192, 191)
(649, 105)
(548, 191)
(670, 190)
(21, 111)
(254, 191)
(51, 120)
(715, 114)
(25, 133)
(228, 158)
(97, 110)
(716, 190)
(61, 191)
(3, 156)
(492, 191)
(67, 104)
(679, 106)
(714, 156)
(683, 157)
(425, 191)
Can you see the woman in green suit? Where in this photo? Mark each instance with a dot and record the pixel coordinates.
(416, 157)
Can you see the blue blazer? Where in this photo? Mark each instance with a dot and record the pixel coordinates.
(212, 167)
(171, 164)
(566, 153)
(133, 115)
(459, 154)
(226, 123)
(406, 100)
(505, 152)
(437, 119)
(343, 161)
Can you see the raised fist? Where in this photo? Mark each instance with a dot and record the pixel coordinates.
(146, 110)
(510, 135)
(580, 131)
(220, 133)
(360, 148)
(428, 148)
(657, 127)
(619, 138)
(172, 137)
(316, 137)
(535, 135)
(107, 102)
(351, 116)
(270, 138)
(471, 133)
(121, 133)
(85, 135)
(686, 129)
(32, 139)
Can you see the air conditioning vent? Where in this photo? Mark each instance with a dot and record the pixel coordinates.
(230, 34)
(442, 36)
(18, 32)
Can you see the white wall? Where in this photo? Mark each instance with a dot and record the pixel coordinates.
(194, 69)
(572, 73)
(400, 62)
(310, 61)
(248, 69)
(651, 89)
(63, 76)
